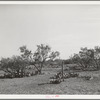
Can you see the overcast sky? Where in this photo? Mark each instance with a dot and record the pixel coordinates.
(65, 28)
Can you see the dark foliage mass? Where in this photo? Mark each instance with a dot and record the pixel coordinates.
(14, 66)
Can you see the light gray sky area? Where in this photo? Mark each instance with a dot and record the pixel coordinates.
(65, 28)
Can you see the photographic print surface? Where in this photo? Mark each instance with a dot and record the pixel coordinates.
(50, 49)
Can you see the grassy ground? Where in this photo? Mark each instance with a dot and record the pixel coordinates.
(38, 84)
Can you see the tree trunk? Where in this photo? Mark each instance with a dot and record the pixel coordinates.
(39, 71)
(41, 66)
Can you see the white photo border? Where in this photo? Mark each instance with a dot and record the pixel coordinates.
(47, 96)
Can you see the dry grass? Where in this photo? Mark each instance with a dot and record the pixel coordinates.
(38, 84)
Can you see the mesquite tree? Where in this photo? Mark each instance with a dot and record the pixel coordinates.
(87, 58)
(6, 65)
(44, 53)
(13, 65)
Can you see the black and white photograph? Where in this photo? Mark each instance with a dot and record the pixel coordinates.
(50, 49)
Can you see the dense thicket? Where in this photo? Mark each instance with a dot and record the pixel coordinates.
(87, 58)
(18, 64)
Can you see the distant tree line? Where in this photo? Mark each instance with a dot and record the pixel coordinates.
(86, 59)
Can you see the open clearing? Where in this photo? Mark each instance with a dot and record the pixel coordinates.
(39, 84)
